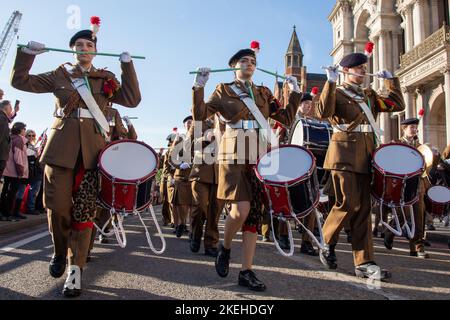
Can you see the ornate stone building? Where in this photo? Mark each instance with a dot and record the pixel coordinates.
(412, 39)
(294, 67)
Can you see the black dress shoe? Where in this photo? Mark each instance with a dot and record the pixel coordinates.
(195, 246)
(328, 257)
(57, 266)
(308, 248)
(180, 230)
(211, 252)
(389, 240)
(249, 280)
(284, 243)
(223, 262)
(372, 271)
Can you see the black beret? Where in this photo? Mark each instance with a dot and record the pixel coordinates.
(354, 60)
(410, 121)
(307, 97)
(239, 55)
(187, 119)
(83, 34)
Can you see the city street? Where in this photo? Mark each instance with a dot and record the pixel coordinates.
(136, 273)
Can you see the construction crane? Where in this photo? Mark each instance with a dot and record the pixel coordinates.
(11, 30)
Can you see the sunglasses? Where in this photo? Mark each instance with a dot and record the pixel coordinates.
(31, 135)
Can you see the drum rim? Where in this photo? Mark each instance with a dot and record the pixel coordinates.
(141, 180)
(391, 174)
(290, 182)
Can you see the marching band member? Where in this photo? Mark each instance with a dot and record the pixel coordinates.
(352, 111)
(182, 194)
(417, 244)
(237, 180)
(83, 94)
(204, 178)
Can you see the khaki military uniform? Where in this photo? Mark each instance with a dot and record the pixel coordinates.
(235, 183)
(205, 178)
(73, 143)
(349, 158)
(182, 194)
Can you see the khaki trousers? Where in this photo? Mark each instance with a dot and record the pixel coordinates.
(74, 244)
(206, 208)
(353, 204)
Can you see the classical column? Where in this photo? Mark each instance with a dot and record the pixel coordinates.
(395, 51)
(446, 72)
(408, 96)
(421, 104)
(376, 61)
(434, 15)
(419, 21)
(383, 64)
(409, 30)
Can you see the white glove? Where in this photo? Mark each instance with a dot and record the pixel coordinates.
(125, 57)
(34, 48)
(172, 182)
(127, 121)
(332, 73)
(384, 74)
(293, 84)
(185, 166)
(202, 77)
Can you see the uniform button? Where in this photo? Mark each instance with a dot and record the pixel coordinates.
(81, 120)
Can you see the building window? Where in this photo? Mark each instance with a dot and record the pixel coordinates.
(289, 61)
(295, 61)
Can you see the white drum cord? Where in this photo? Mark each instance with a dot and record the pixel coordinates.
(291, 238)
(118, 230)
(398, 231)
(320, 244)
(160, 234)
(410, 231)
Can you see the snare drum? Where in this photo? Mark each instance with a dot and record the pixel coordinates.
(126, 171)
(289, 177)
(437, 201)
(397, 172)
(315, 136)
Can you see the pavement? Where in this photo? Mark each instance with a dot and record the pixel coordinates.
(137, 273)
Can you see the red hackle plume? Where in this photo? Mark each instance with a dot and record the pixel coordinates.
(95, 26)
(421, 113)
(315, 91)
(369, 49)
(255, 46)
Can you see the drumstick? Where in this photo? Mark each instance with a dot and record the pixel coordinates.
(216, 70)
(131, 118)
(80, 52)
(275, 75)
(354, 74)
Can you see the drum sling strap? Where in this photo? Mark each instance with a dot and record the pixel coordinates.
(366, 110)
(83, 88)
(249, 101)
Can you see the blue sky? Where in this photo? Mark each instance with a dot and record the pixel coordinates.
(176, 37)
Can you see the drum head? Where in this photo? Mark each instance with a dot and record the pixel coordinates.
(129, 161)
(399, 159)
(285, 165)
(439, 194)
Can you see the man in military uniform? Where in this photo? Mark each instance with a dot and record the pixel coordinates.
(352, 111)
(182, 193)
(417, 243)
(205, 178)
(75, 141)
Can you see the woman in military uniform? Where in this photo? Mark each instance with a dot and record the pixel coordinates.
(237, 181)
(75, 141)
